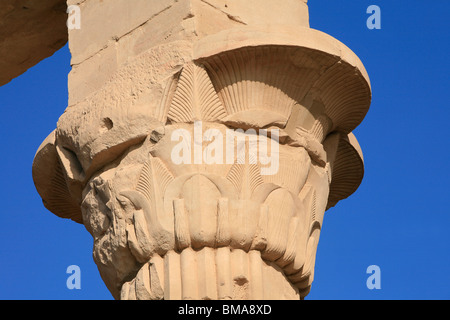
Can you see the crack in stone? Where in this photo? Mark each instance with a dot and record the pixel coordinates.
(116, 38)
(231, 17)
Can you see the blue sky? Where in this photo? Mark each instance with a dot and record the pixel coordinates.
(398, 219)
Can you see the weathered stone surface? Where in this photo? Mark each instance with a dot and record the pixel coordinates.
(141, 156)
(165, 20)
(30, 31)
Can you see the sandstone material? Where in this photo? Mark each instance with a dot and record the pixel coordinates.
(141, 156)
(165, 17)
(30, 31)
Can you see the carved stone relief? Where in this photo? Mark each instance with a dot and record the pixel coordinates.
(218, 188)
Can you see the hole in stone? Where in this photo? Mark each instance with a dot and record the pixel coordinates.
(240, 281)
(106, 125)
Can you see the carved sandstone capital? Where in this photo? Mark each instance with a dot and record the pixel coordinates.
(203, 167)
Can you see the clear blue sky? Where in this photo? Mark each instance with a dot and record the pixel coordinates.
(398, 219)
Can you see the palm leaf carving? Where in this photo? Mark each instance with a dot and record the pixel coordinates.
(195, 97)
(245, 176)
(148, 197)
